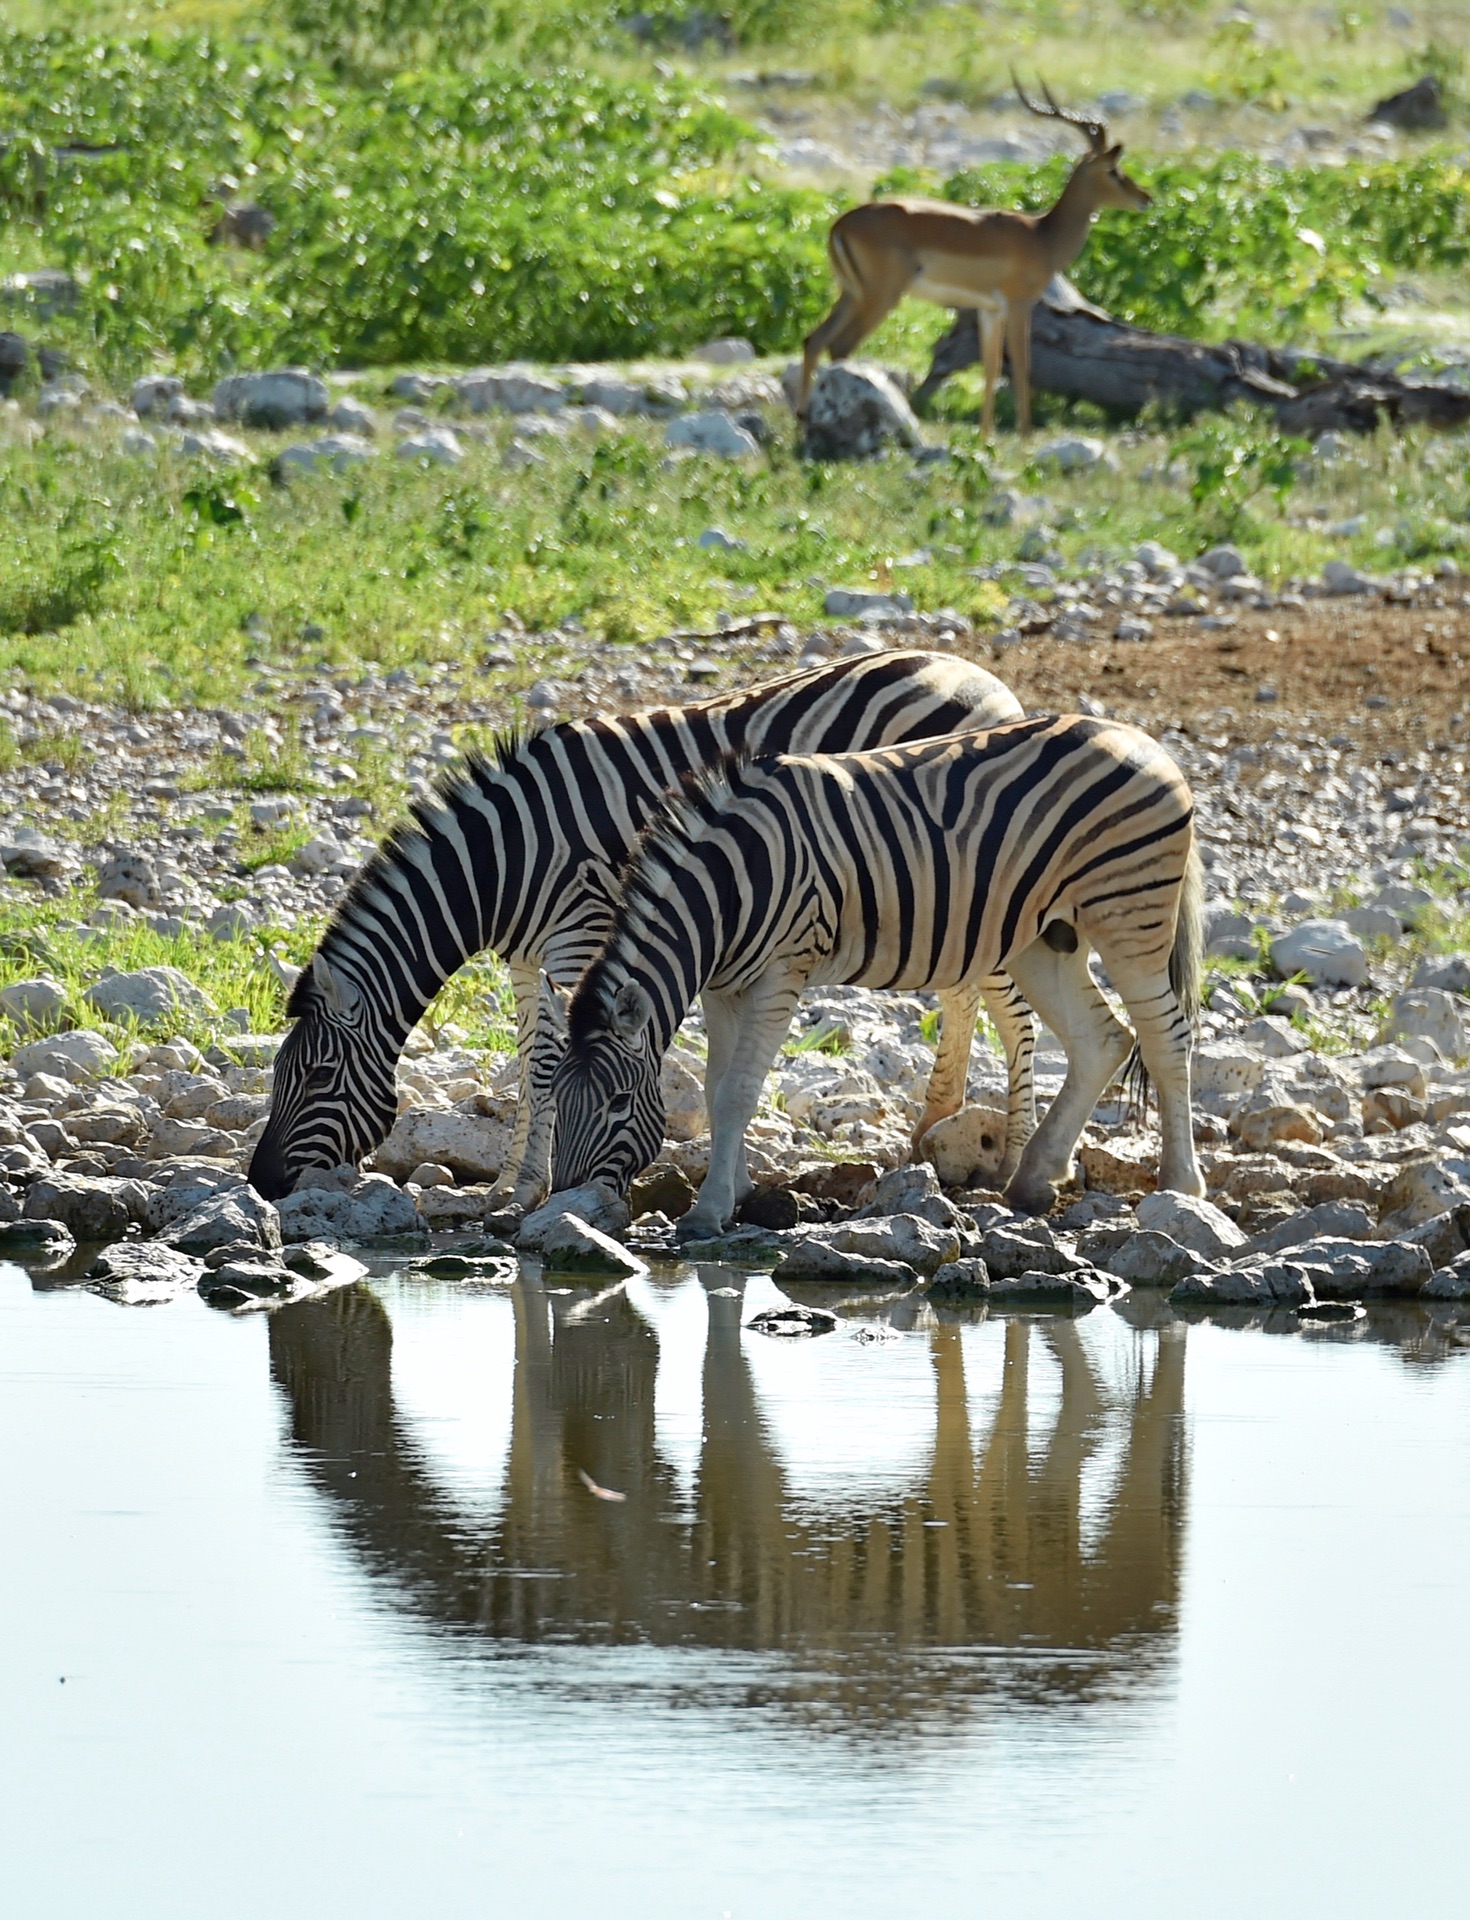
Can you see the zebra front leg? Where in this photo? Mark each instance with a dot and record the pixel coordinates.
(1097, 1043)
(525, 986)
(722, 1013)
(764, 1017)
(548, 1044)
(945, 1094)
(1012, 1020)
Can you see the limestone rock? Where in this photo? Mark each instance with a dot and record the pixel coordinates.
(595, 1205)
(960, 1280)
(371, 1208)
(966, 1148)
(1324, 950)
(1264, 1283)
(472, 1146)
(1419, 1191)
(1071, 1292)
(1261, 1121)
(1336, 1219)
(35, 1003)
(1445, 1238)
(141, 1273)
(854, 412)
(570, 1245)
(1120, 1165)
(131, 878)
(148, 995)
(90, 1208)
(1018, 1247)
(713, 431)
(1431, 1014)
(509, 390)
(235, 1216)
(901, 1236)
(816, 1260)
(282, 398)
(1152, 1259)
(72, 1057)
(1191, 1223)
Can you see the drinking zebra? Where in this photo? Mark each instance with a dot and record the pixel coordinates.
(930, 865)
(519, 853)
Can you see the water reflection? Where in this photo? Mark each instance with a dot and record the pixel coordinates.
(1030, 1550)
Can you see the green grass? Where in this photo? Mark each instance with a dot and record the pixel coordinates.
(431, 560)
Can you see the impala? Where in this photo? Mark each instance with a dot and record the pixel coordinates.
(997, 262)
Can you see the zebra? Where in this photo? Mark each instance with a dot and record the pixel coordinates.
(518, 853)
(930, 865)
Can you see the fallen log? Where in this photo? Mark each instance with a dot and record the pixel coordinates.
(1081, 353)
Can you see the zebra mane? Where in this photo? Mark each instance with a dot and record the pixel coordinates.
(699, 796)
(478, 771)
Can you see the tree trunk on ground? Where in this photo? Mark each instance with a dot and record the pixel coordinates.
(1077, 351)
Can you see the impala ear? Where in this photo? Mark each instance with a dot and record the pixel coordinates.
(338, 994)
(553, 1005)
(631, 1010)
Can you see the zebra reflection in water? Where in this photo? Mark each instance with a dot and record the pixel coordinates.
(986, 1546)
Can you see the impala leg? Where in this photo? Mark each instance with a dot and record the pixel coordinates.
(1097, 1043)
(816, 343)
(764, 1017)
(946, 1090)
(992, 339)
(1018, 346)
(1012, 1020)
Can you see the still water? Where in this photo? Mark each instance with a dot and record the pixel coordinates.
(318, 1615)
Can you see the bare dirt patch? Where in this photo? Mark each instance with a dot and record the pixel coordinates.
(1388, 679)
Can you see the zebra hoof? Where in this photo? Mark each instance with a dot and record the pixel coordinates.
(1030, 1196)
(694, 1226)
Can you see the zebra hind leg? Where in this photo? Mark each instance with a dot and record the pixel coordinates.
(1013, 1022)
(946, 1090)
(1097, 1043)
(1163, 1040)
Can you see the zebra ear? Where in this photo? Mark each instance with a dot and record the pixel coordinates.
(338, 993)
(553, 1005)
(631, 1010)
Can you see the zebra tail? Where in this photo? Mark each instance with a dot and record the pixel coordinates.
(1186, 972)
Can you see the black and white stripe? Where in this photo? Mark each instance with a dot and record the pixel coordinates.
(519, 853)
(935, 865)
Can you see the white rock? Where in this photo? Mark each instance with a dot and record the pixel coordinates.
(320, 853)
(473, 1146)
(1227, 1067)
(153, 392)
(69, 1056)
(150, 993)
(1277, 1039)
(1324, 950)
(1373, 923)
(570, 1245)
(281, 398)
(510, 391)
(717, 539)
(137, 443)
(438, 445)
(1191, 1223)
(855, 411)
(899, 1236)
(335, 450)
(431, 1175)
(350, 415)
(595, 1205)
(1418, 1192)
(681, 1082)
(713, 431)
(1340, 577)
(1428, 1013)
(1075, 453)
(1155, 558)
(728, 351)
(217, 446)
(852, 603)
(33, 1003)
(967, 1147)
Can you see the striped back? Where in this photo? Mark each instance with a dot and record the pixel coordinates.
(916, 866)
(519, 852)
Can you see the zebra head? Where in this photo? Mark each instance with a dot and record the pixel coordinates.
(609, 1104)
(334, 1097)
